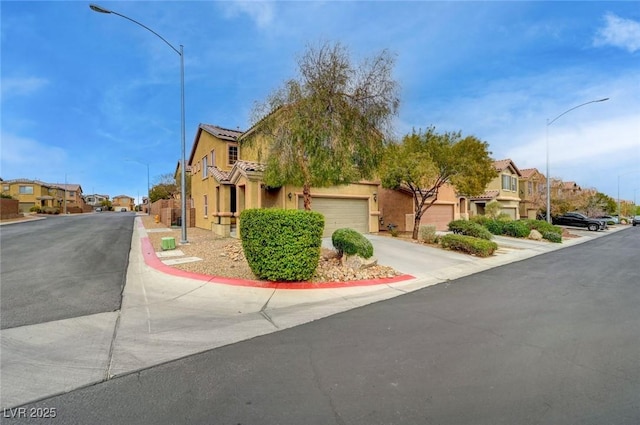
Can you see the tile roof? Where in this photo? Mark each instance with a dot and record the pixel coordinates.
(502, 164)
(221, 133)
(218, 174)
(251, 166)
(489, 194)
(528, 172)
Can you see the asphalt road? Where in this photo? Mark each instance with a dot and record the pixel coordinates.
(549, 340)
(63, 267)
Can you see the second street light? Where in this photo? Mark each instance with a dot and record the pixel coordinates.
(549, 122)
(183, 192)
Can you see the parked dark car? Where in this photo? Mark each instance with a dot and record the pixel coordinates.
(636, 220)
(579, 220)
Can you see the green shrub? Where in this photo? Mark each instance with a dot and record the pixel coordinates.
(495, 227)
(552, 237)
(35, 209)
(469, 228)
(481, 219)
(516, 229)
(350, 242)
(281, 245)
(543, 227)
(504, 217)
(427, 234)
(469, 245)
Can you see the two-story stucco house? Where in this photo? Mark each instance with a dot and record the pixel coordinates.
(36, 193)
(123, 202)
(532, 192)
(503, 188)
(226, 178)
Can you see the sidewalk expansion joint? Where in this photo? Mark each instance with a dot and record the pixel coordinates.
(107, 373)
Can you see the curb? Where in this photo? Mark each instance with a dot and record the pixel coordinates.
(152, 260)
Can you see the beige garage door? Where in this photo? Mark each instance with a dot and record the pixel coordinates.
(341, 212)
(438, 215)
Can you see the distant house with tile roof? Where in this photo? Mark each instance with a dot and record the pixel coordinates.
(532, 192)
(38, 194)
(503, 189)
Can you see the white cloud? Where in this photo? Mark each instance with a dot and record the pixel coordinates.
(26, 158)
(21, 86)
(259, 11)
(619, 32)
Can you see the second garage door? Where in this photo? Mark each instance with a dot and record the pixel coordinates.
(341, 212)
(438, 215)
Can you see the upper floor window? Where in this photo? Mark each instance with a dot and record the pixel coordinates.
(506, 182)
(509, 183)
(233, 154)
(529, 188)
(204, 167)
(213, 158)
(25, 190)
(5, 188)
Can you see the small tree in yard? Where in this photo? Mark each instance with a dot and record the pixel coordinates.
(165, 188)
(423, 162)
(492, 209)
(328, 126)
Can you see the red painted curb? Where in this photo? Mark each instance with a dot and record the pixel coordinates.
(152, 260)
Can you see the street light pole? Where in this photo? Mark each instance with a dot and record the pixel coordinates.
(549, 122)
(148, 186)
(180, 53)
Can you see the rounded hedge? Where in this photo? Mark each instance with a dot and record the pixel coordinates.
(469, 228)
(282, 245)
(351, 242)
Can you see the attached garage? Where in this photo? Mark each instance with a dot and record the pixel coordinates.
(438, 215)
(341, 212)
(25, 207)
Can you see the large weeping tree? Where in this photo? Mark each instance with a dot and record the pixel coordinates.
(329, 125)
(424, 161)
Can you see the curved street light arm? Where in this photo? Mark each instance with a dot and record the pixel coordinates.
(575, 107)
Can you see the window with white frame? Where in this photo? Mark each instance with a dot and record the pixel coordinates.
(506, 182)
(514, 184)
(204, 167)
(232, 154)
(25, 190)
(206, 205)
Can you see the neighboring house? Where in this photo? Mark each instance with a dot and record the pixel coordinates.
(226, 178)
(95, 200)
(503, 188)
(36, 193)
(397, 207)
(533, 195)
(123, 201)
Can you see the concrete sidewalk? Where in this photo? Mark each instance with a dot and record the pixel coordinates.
(165, 317)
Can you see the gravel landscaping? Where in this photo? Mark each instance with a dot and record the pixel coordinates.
(224, 257)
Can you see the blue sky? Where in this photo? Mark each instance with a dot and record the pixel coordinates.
(94, 98)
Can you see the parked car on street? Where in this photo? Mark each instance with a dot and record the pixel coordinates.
(609, 219)
(579, 220)
(636, 220)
